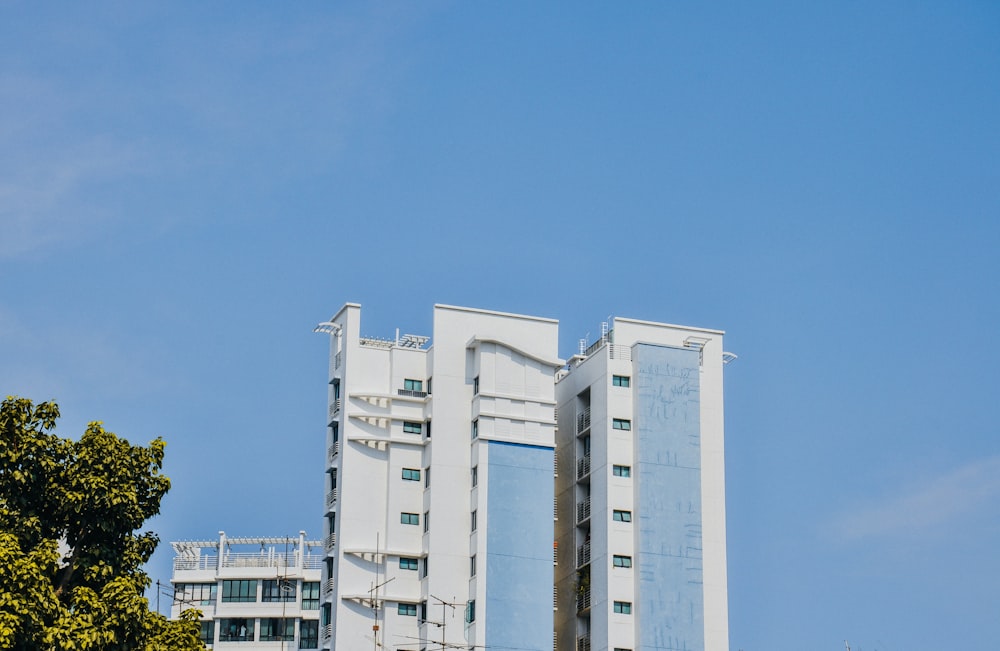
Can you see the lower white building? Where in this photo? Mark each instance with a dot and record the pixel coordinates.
(253, 593)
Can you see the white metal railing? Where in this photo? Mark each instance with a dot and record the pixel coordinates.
(196, 563)
(376, 342)
(583, 420)
(333, 450)
(327, 587)
(555, 555)
(331, 499)
(583, 555)
(583, 600)
(338, 360)
(555, 463)
(312, 563)
(583, 643)
(410, 393)
(583, 511)
(331, 542)
(555, 508)
(617, 351)
(555, 598)
(583, 467)
(327, 632)
(334, 408)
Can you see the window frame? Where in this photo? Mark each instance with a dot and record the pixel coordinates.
(621, 471)
(411, 474)
(620, 560)
(413, 427)
(409, 563)
(409, 384)
(242, 596)
(406, 609)
(409, 518)
(271, 591)
(623, 381)
(623, 608)
(311, 594)
(621, 424)
(621, 515)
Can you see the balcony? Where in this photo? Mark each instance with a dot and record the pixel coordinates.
(327, 633)
(328, 587)
(333, 451)
(331, 500)
(583, 555)
(583, 467)
(583, 511)
(555, 508)
(334, 409)
(583, 421)
(583, 601)
(555, 598)
(338, 359)
(410, 393)
(583, 643)
(331, 542)
(555, 463)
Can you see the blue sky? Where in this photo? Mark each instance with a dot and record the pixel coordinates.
(187, 189)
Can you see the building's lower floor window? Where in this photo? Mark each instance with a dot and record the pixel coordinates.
(309, 634)
(623, 607)
(406, 563)
(470, 611)
(409, 610)
(409, 518)
(208, 632)
(275, 630)
(235, 629)
(622, 561)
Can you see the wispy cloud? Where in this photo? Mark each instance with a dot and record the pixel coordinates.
(928, 506)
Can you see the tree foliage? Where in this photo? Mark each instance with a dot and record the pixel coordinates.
(71, 553)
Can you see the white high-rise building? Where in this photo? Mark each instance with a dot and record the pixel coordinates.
(440, 503)
(641, 531)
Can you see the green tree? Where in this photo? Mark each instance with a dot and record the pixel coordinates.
(71, 553)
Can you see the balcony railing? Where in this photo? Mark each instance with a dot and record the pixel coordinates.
(583, 643)
(555, 508)
(583, 511)
(331, 499)
(334, 409)
(333, 450)
(328, 587)
(337, 360)
(616, 351)
(583, 555)
(555, 598)
(583, 467)
(583, 600)
(410, 393)
(555, 463)
(331, 542)
(583, 421)
(327, 633)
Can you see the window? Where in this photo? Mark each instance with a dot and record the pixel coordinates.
(411, 474)
(208, 632)
(310, 595)
(409, 610)
(475, 429)
(242, 590)
(470, 611)
(430, 383)
(623, 607)
(621, 516)
(472, 565)
(201, 594)
(427, 430)
(618, 648)
(235, 629)
(427, 477)
(413, 385)
(273, 629)
(423, 611)
(621, 381)
(278, 590)
(411, 518)
(622, 561)
(427, 521)
(621, 423)
(335, 429)
(410, 427)
(475, 476)
(474, 513)
(621, 471)
(309, 634)
(475, 386)
(406, 563)
(424, 568)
